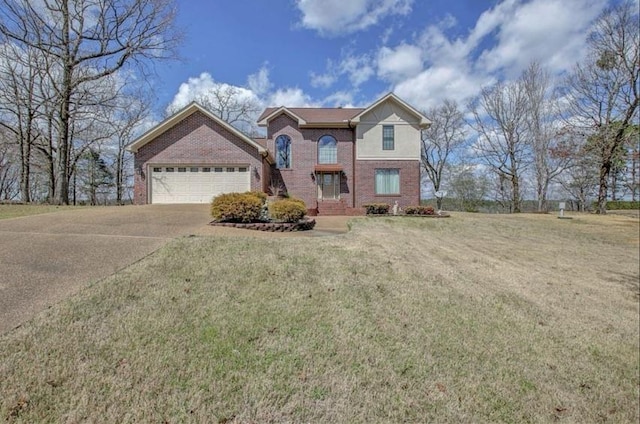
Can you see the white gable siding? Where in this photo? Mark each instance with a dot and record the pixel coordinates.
(406, 131)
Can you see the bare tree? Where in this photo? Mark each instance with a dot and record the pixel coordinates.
(469, 187)
(234, 105)
(500, 121)
(604, 89)
(8, 176)
(580, 181)
(445, 135)
(84, 41)
(128, 117)
(20, 104)
(544, 133)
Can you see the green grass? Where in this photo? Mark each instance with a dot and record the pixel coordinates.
(468, 319)
(15, 211)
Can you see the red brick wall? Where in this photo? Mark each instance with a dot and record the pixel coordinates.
(409, 182)
(304, 145)
(196, 140)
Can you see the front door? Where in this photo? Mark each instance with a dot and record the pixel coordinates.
(329, 186)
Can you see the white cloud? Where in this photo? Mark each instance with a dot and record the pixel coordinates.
(433, 85)
(325, 80)
(290, 97)
(358, 68)
(259, 82)
(259, 91)
(201, 86)
(434, 64)
(339, 99)
(336, 17)
(503, 42)
(549, 31)
(402, 62)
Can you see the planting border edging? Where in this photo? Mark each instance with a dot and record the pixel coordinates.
(303, 225)
(388, 215)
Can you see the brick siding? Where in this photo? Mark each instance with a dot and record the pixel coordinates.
(298, 180)
(409, 182)
(196, 140)
(199, 140)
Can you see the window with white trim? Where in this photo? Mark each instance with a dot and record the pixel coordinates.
(387, 181)
(327, 149)
(388, 138)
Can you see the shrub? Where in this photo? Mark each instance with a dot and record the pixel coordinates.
(614, 205)
(419, 210)
(237, 207)
(260, 195)
(377, 208)
(297, 200)
(287, 210)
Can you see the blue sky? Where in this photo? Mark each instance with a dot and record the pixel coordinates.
(350, 52)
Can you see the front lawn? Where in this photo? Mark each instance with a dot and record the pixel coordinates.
(476, 318)
(17, 210)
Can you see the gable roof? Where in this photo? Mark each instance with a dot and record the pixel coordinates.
(312, 117)
(423, 121)
(182, 114)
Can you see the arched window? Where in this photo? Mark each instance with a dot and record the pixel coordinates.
(283, 152)
(327, 149)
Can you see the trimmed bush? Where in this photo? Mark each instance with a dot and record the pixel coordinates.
(287, 210)
(297, 200)
(377, 208)
(260, 195)
(419, 210)
(616, 205)
(237, 207)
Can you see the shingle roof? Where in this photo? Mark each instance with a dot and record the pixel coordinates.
(318, 115)
(261, 141)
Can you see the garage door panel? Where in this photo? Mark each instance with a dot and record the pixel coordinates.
(197, 184)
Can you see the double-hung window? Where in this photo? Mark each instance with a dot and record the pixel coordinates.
(388, 139)
(387, 181)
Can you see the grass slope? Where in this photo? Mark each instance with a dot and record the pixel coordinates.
(16, 210)
(475, 318)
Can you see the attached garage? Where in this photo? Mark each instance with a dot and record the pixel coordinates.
(196, 184)
(193, 156)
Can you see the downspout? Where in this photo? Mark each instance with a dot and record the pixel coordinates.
(353, 165)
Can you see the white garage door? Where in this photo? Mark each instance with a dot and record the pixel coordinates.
(196, 184)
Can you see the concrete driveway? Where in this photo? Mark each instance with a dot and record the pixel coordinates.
(46, 258)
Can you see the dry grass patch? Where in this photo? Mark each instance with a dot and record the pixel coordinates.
(15, 211)
(475, 318)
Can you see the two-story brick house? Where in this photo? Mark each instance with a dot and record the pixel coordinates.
(335, 159)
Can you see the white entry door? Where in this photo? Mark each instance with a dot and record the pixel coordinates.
(196, 184)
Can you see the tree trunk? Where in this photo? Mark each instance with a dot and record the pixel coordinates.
(119, 177)
(515, 198)
(25, 170)
(634, 163)
(605, 168)
(62, 174)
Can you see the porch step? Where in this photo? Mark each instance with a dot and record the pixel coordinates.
(331, 207)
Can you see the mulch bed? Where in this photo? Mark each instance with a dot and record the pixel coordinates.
(304, 225)
(442, 215)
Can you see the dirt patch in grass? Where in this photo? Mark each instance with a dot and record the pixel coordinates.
(477, 318)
